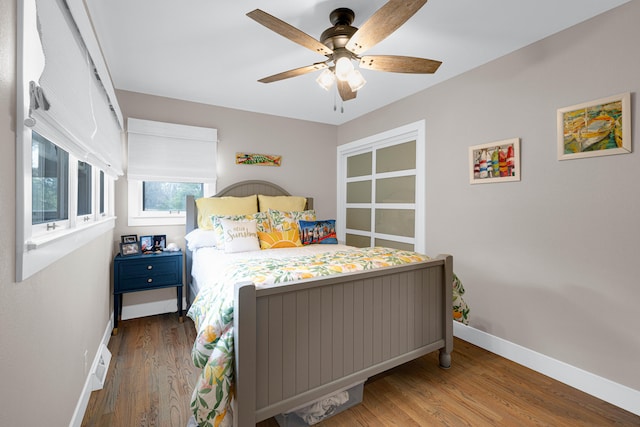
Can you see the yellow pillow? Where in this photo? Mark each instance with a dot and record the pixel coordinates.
(228, 205)
(279, 239)
(281, 203)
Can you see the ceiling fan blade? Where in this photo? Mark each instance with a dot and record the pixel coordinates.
(294, 73)
(399, 64)
(383, 22)
(288, 31)
(345, 91)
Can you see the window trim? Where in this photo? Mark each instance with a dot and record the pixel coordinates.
(36, 251)
(37, 248)
(138, 217)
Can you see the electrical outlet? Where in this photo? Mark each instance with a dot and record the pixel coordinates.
(86, 361)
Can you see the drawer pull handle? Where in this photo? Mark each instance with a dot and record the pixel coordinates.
(149, 267)
(149, 280)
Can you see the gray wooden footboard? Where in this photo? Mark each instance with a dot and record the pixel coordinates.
(299, 342)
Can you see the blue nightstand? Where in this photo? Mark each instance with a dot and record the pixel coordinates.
(136, 273)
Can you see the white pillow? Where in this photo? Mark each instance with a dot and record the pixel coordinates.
(240, 236)
(200, 238)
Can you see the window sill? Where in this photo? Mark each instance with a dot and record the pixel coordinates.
(137, 221)
(96, 227)
(43, 251)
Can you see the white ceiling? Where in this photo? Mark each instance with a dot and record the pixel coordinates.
(209, 51)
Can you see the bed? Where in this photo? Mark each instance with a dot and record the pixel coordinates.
(303, 340)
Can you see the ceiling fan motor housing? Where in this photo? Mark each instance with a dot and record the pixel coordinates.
(338, 36)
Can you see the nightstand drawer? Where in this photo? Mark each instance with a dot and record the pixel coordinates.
(150, 281)
(147, 267)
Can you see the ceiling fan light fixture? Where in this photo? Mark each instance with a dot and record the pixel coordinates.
(356, 80)
(326, 79)
(344, 68)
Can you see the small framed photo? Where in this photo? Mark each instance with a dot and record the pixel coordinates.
(596, 128)
(131, 248)
(129, 238)
(159, 242)
(146, 244)
(495, 162)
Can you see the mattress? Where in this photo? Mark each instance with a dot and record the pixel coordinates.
(208, 262)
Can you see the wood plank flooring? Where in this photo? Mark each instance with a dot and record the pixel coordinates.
(151, 378)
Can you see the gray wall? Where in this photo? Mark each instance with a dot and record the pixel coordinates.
(551, 262)
(48, 321)
(308, 161)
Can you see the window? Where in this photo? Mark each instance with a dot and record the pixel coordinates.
(167, 162)
(85, 200)
(49, 181)
(101, 194)
(68, 136)
(168, 196)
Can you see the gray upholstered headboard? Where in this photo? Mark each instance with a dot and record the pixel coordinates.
(239, 189)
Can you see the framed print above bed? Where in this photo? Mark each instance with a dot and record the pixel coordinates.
(495, 162)
(595, 128)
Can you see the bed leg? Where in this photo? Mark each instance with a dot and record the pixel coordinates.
(445, 359)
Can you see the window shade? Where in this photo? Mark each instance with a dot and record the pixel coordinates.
(80, 118)
(171, 152)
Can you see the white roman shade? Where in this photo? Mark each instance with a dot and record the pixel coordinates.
(69, 104)
(171, 152)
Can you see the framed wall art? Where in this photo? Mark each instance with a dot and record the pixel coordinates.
(495, 162)
(258, 159)
(596, 128)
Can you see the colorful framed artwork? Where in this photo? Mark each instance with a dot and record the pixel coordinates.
(596, 128)
(495, 162)
(258, 159)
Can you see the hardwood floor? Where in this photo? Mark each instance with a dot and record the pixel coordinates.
(151, 377)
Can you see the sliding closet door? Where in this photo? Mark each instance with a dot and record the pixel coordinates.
(381, 190)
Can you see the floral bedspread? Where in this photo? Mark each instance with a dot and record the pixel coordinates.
(212, 312)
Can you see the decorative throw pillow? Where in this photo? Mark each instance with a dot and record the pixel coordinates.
(261, 219)
(200, 238)
(283, 220)
(281, 203)
(227, 205)
(312, 232)
(279, 239)
(239, 236)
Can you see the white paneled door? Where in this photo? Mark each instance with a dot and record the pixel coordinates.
(381, 197)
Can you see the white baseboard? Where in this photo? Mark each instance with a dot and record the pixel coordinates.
(617, 394)
(89, 384)
(134, 311)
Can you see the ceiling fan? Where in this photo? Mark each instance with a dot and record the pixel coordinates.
(343, 43)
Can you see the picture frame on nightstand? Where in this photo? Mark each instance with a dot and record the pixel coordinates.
(146, 243)
(129, 238)
(131, 248)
